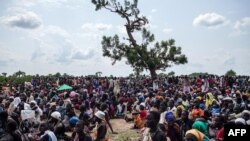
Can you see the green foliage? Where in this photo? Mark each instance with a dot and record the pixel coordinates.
(98, 74)
(196, 74)
(4, 74)
(19, 80)
(230, 73)
(2, 80)
(140, 56)
(172, 73)
(58, 74)
(162, 75)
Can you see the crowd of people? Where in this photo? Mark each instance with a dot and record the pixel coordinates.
(165, 109)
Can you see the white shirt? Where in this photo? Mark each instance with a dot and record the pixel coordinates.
(51, 135)
(162, 117)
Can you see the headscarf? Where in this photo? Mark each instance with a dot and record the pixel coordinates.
(201, 126)
(198, 135)
(169, 117)
(209, 99)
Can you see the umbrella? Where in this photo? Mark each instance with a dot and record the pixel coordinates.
(64, 87)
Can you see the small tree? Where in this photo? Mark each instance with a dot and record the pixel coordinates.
(230, 73)
(98, 74)
(19, 73)
(58, 74)
(162, 75)
(172, 73)
(140, 55)
(4, 74)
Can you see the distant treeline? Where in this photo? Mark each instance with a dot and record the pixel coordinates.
(21, 77)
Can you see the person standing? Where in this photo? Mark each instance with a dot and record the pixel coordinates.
(101, 126)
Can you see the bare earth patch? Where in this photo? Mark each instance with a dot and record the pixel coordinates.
(125, 133)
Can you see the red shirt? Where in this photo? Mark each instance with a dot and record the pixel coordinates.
(143, 114)
(220, 134)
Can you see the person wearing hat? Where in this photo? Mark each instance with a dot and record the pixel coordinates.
(37, 109)
(56, 124)
(101, 132)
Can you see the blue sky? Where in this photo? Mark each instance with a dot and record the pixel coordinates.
(49, 36)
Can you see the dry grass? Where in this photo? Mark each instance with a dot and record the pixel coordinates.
(124, 131)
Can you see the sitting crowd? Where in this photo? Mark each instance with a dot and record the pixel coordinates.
(171, 109)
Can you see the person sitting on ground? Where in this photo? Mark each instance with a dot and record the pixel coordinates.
(201, 125)
(56, 125)
(79, 134)
(173, 127)
(45, 134)
(139, 117)
(120, 109)
(152, 132)
(37, 109)
(11, 134)
(72, 122)
(184, 123)
(195, 135)
(196, 112)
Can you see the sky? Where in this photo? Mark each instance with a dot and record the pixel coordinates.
(48, 36)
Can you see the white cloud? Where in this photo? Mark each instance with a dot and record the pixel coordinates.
(153, 10)
(53, 45)
(38, 53)
(58, 46)
(245, 22)
(241, 27)
(83, 55)
(3, 63)
(121, 29)
(167, 30)
(57, 31)
(22, 18)
(150, 26)
(209, 20)
(237, 33)
(98, 26)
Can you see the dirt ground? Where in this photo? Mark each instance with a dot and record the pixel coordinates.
(123, 128)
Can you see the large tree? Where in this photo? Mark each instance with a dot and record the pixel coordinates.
(140, 55)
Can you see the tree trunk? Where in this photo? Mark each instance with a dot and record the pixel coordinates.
(153, 74)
